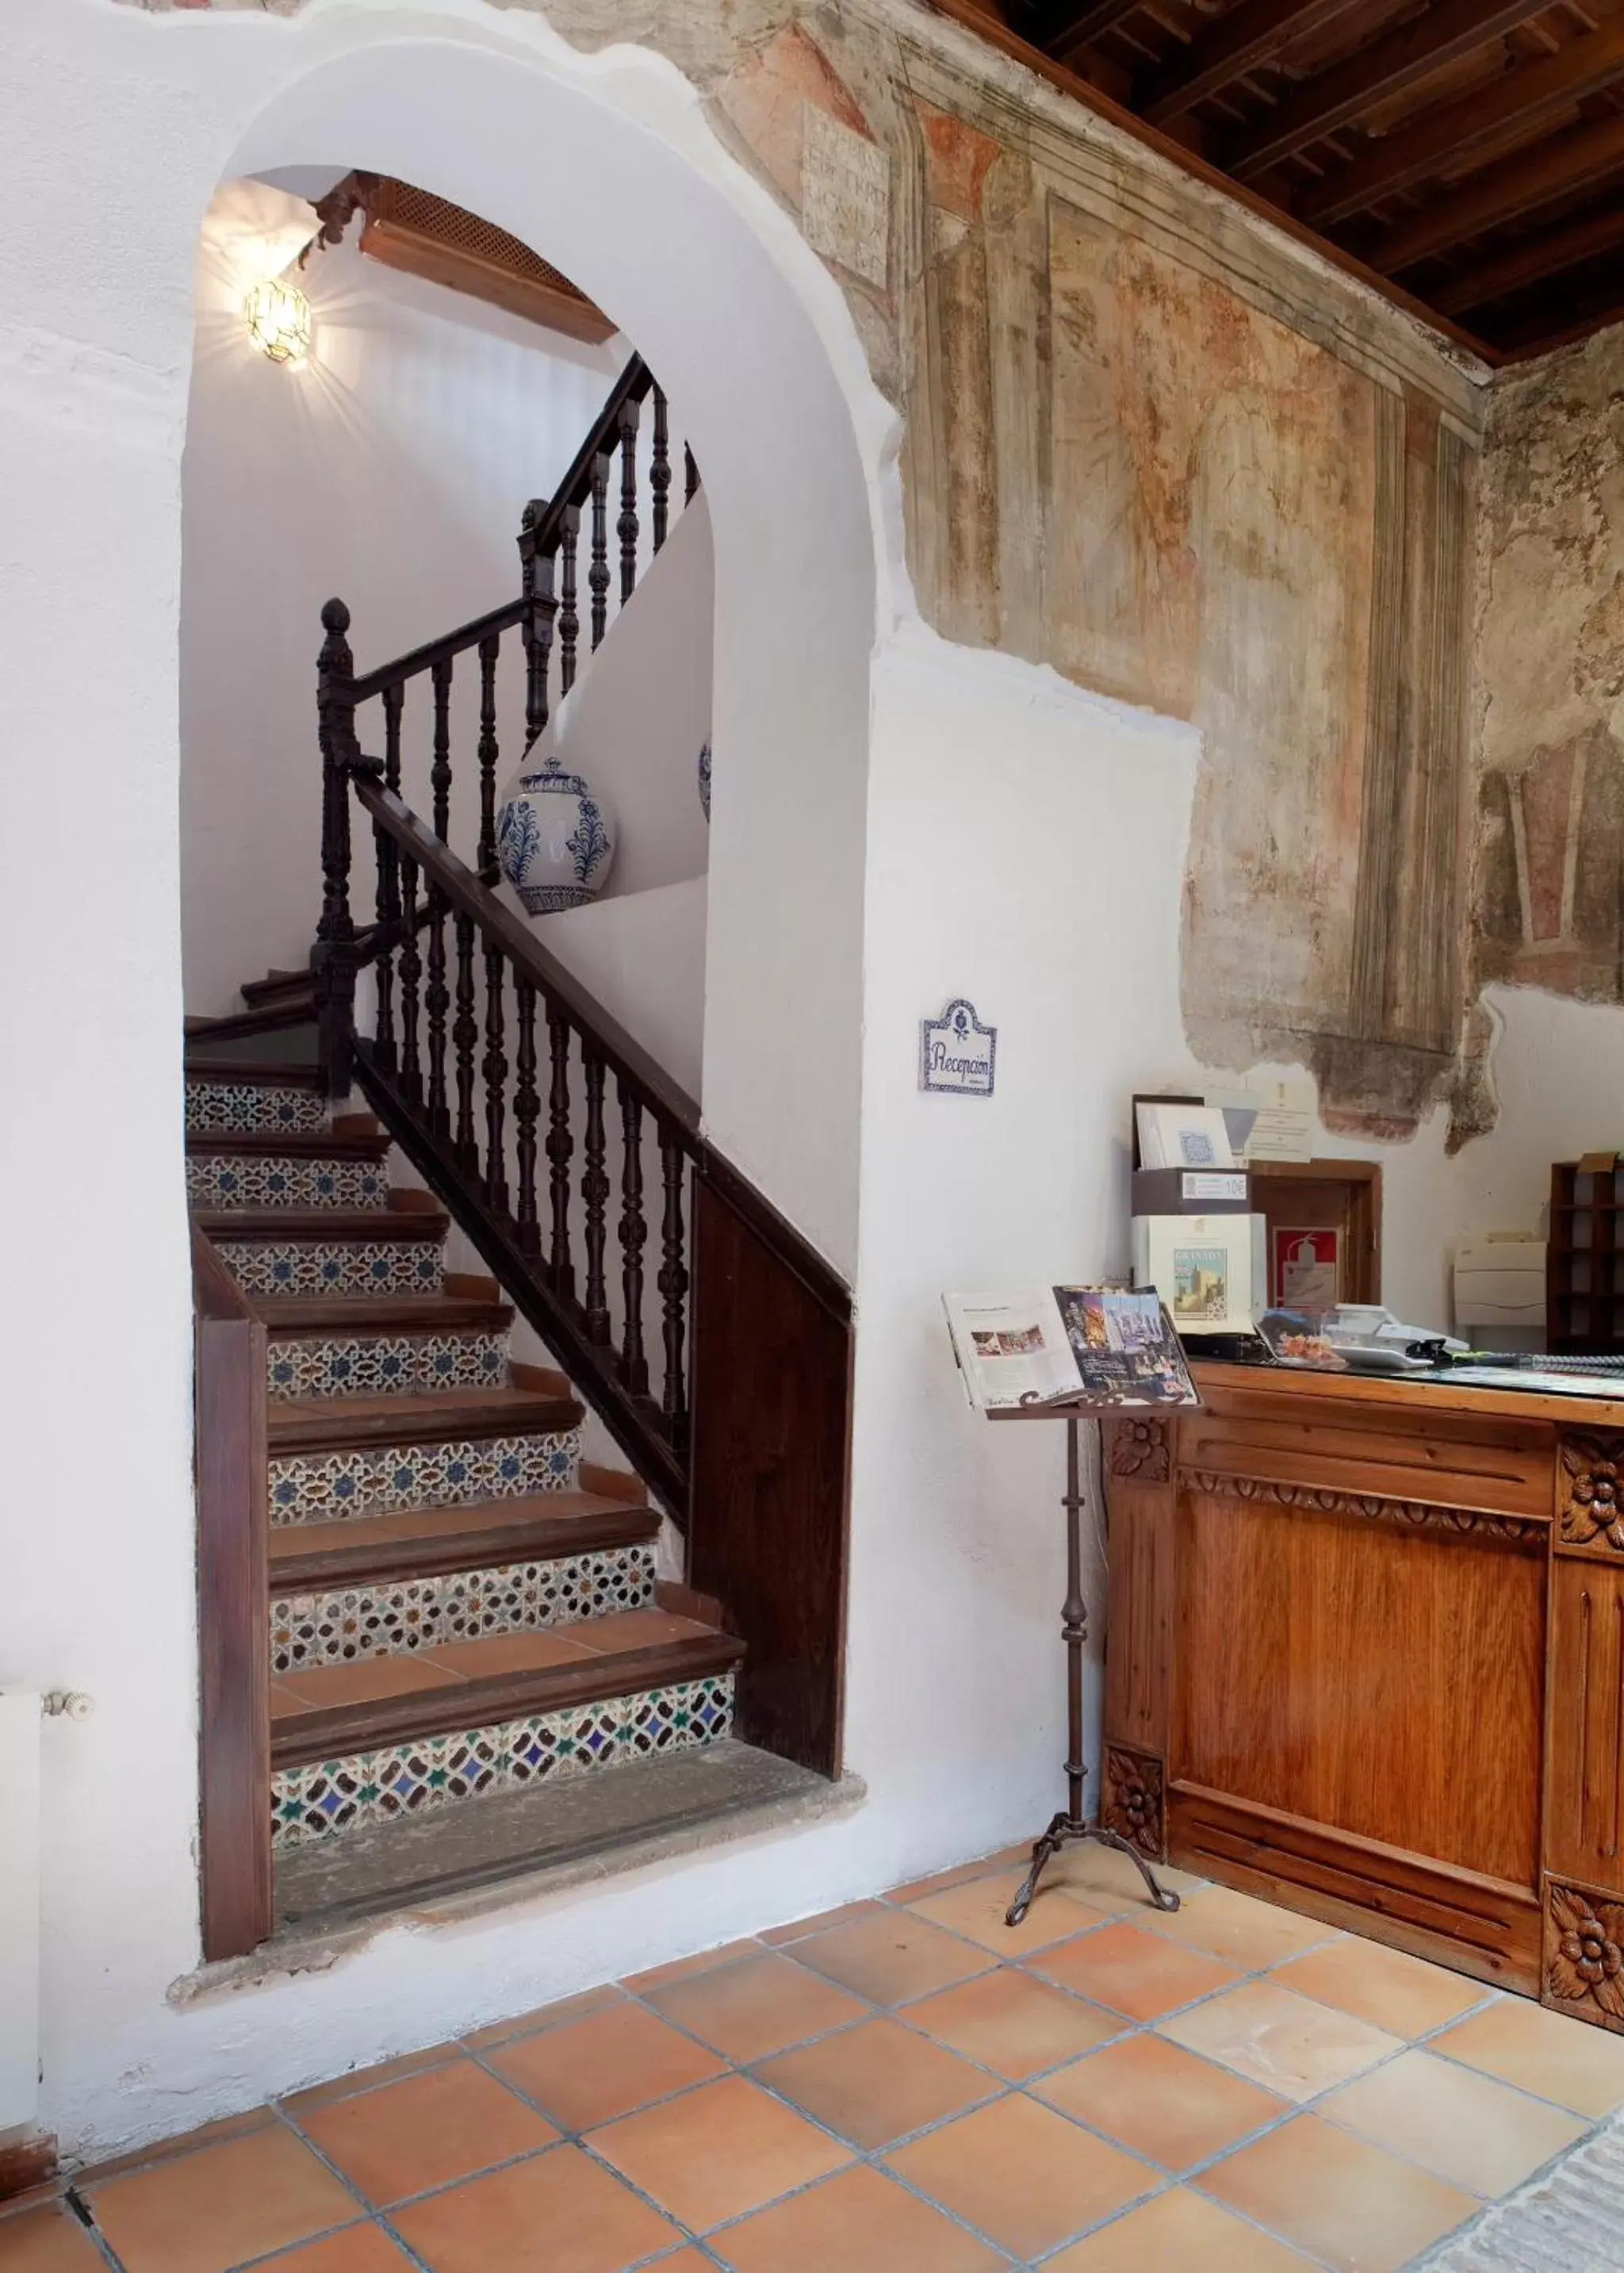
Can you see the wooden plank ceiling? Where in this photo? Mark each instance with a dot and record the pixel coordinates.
(1467, 153)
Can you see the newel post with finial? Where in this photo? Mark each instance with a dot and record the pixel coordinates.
(333, 958)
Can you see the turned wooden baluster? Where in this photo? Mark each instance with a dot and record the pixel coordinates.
(439, 772)
(560, 1146)
(595, 1192)
(659, 469)
(437, 1001)
(411, 973)
(333, 961)
(691, 475)
(626, 527)
(673, 1285)
(490, 754)
(388, 865)
(540, 606)
(597, 574)
(493, 1065)
(633, 1235)
(569, 622)
(464, 1035)
(527, 1112)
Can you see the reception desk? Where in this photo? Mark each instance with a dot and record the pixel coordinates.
(1365, 1658)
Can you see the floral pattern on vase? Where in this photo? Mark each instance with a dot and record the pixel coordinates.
(554, 839)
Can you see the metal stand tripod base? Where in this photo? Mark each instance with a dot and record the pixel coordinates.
(1066, 1828)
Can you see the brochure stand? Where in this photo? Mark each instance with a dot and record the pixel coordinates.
(1071, 1823)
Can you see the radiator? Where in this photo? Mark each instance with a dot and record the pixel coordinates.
(19, 1908)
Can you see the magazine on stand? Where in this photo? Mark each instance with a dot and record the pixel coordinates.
(1064, 1344)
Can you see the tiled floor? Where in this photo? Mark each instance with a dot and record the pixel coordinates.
(902, 2087)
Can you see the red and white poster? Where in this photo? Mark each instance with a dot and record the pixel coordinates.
(1307, 1268)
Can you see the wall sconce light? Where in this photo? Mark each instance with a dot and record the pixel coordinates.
(278, 320)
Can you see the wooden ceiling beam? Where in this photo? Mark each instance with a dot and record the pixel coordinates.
(1504, 193)
(1230, 46)
(1399, 59)
(1534, 95)
(1068, 28)
(1554, 254)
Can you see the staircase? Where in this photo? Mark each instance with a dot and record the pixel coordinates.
(414, 1595)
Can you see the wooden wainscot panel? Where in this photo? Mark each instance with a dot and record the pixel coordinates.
(1583, 1959)
(1138, 1459)
(1584, 1797)
(1479, 1925)
(1371, 1666)
(1589, 1494)
(1323, 1431)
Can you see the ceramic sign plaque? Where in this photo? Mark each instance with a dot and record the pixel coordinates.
(957, 1053)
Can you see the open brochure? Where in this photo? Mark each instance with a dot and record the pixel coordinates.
(1058, 1345)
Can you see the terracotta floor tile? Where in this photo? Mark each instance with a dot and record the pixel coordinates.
(425, 2130)
(975, 1908)
(48, 2241)
(1106, 1878)
(760, 2005)
(591, 2070)
(819, 1922)
(1140, 1974)
(1286, 2043)
(1403, 1995)
(184, 2142)
(1022, 2174)
(635, 1630)
(1551, 2054)
(719, 2151)
(560, 2212)
(1176, 2232)
(859, 2222)
(511, 1653)
(938, 1881)
(892, 1956)
(1467, 2128)
(545, 2016)
(1245, 1933)
(704, 1961)
(213, 2209)
(1161, 2101)
(366, 1679)
(876, 2083)
(1358, 2209)
(1013, 2024)
(367, 2079)
(358, 2249)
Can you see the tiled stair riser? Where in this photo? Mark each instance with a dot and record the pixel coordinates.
(227, 1180)
(376, 1365)
(393, 1618)
(367, 1789)
(373, 1479)
(319, 1266)
(245, 1108)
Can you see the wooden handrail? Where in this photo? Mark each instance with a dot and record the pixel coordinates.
(419, 659)
(466, 895)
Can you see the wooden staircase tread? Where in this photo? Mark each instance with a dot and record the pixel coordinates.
(342, 1226)
(325, 1711)
(419, 1416)
(422, 1541)
(290, 1144)
(291, 1317)
(253, 1073)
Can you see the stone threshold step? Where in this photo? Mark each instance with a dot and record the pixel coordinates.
(421, 1542)
(323, 1424)
(331, 1710)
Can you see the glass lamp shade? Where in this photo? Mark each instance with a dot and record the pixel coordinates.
(278, 320)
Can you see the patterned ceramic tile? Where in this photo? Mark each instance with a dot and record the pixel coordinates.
(432, 1772)
(227, 1180)
(367, 1479)
(320, 1266)
(372, 1365)
(389, 1620)
(246, 1107)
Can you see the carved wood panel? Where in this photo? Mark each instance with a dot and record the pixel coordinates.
(1583, 1958)
(1131, 1806)
(1590, 1493)
(1585, 1806)
(1139, 1449)
(1139, 1661)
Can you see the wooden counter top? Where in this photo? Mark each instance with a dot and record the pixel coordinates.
(1426, 1396)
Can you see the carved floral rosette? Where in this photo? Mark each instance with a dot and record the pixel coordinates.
(1583, 1971)
(1590, 1491)
(1132, 1800)
(1138, 1450)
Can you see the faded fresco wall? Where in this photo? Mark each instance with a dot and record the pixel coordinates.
(1150, 443)
(1549, 711)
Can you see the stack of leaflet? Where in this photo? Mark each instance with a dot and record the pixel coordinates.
(1195, 1239)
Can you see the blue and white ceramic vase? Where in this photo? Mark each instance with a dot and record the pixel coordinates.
(704, 773)
(554, 839)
